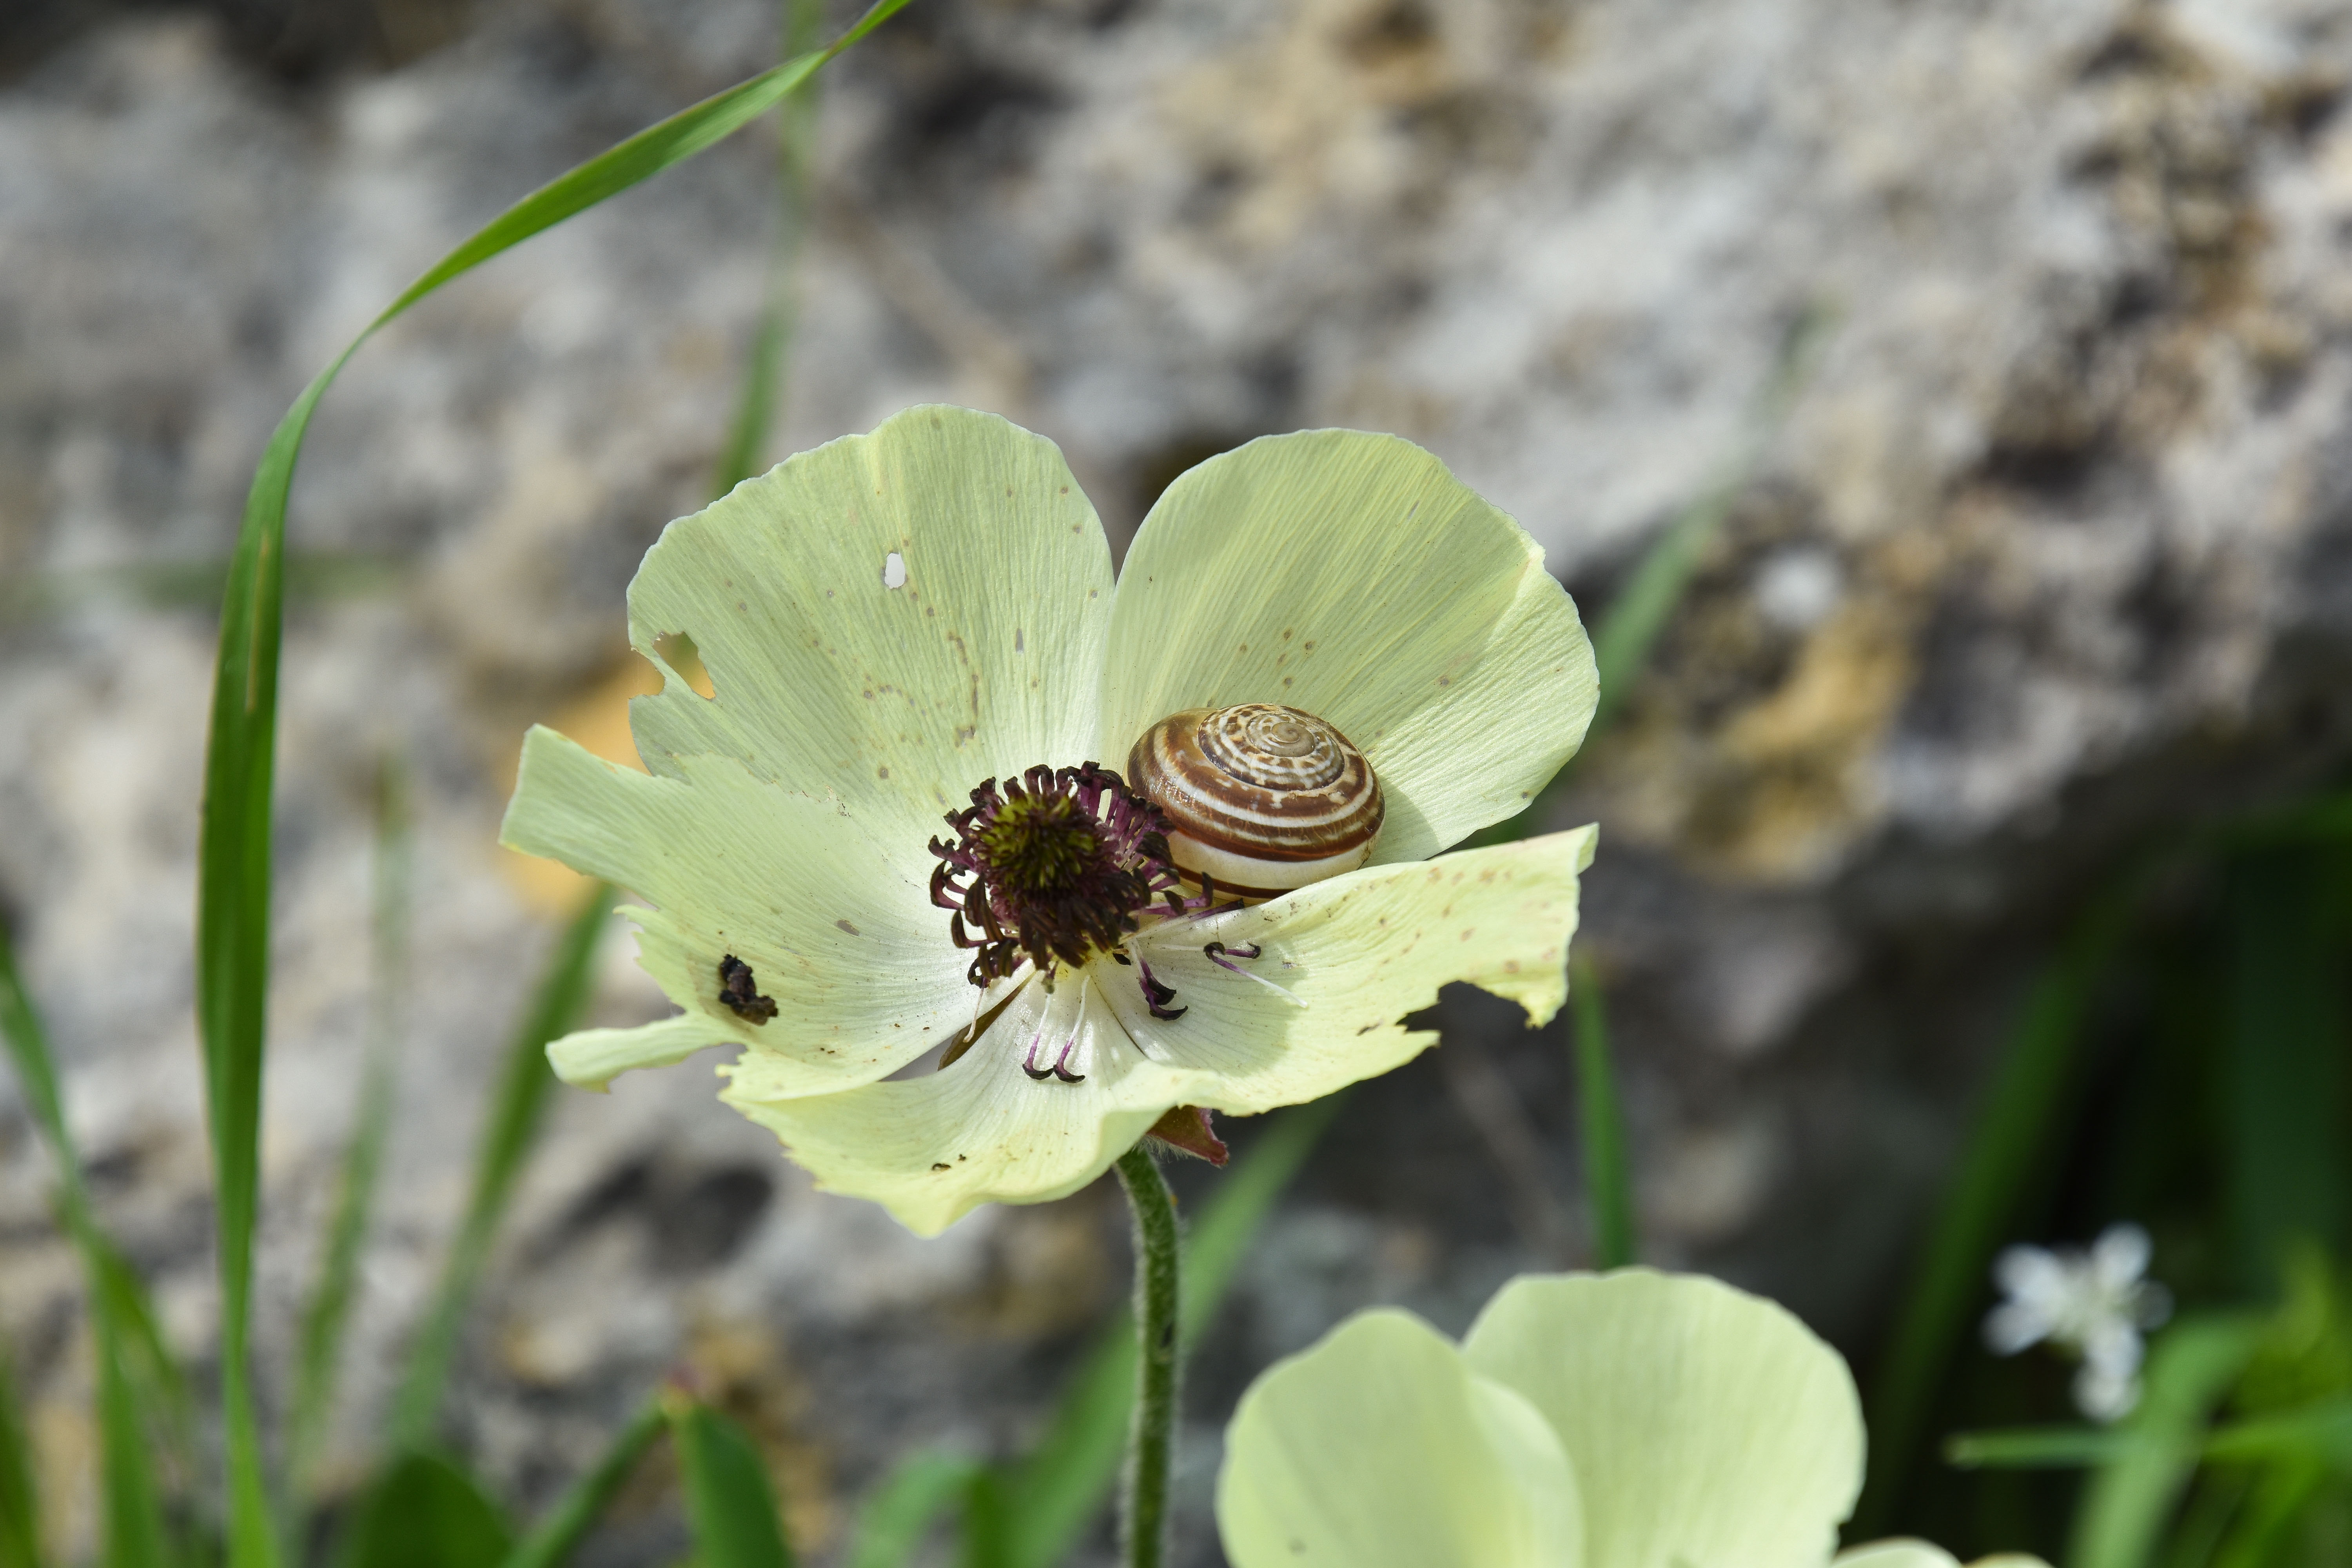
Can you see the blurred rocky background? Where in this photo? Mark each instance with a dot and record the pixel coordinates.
(2049, 555)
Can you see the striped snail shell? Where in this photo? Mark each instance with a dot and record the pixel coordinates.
(1262, 797)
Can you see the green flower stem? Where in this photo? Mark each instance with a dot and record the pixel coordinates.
(1152, 1439)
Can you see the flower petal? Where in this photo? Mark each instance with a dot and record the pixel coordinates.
(836, 932)
(892, 617)
(1904, 1552)
(593, 1059)
(1352, 956)
(1705, 1425)
(1351, 575)
(1378, 1448)
(931, 1149)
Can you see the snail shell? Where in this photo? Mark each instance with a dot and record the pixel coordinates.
(1262, 797)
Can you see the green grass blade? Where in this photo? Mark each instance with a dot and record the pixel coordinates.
(1051, 1495)
(425, 1512)
(2282, 1069)
(20, 1500)
(900, 1514)
(135, 1536)
(505, 1141)
(233, 853)
(2321, 1432)
(1626, 632)
(131, 1499)
(2003, 1157)
(319, 1354)
(729, 1498)
(2035, 1448)
(1600, 1116)
(763, 371)
(1636, 617)
(193, 584)
(555, 1538)
(2266, 1525)
(755, 403)
(2189, 1369)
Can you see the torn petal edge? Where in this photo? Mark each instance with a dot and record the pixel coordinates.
(593, 1059)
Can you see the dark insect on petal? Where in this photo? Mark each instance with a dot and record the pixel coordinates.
(739, 992)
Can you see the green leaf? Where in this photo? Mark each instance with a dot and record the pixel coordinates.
(729, 1499)
(121, 1321)
(319, 1354)
(1608, 1170)
(554, 1537)
(900, 1513)
(2005, 1154)
(1051, 1495)
(20, 1514)
(506, 1140)
(233, 853)
(425, 1512)
(2189, 1370)
(2282, 1066)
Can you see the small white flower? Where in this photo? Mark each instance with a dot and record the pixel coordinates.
(2092, 1302)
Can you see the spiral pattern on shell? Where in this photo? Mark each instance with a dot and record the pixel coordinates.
(1262, 797)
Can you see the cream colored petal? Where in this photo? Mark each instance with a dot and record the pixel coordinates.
(593, 1059)
(1904, 1552)
(892, 618)
(839, 935)
(931, 1148)
(1352, 956)
(1896, 1553)
(1708, 1429)
(1378, 1448)
(1351, 575)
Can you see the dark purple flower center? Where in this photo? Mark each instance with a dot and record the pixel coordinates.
(1059, 864)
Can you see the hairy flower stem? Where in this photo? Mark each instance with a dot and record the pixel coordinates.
(1143, 1515)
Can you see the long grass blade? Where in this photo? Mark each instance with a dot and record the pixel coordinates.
(2003, 1156)
(426, 1512)
(193, 584)
(2282, 1070)
(1600, 1117)
(763, 369)
(730, 1500)
(20, 1500)
(2189, 1369)
(555, 1538)
(2035, 1448)
(1054, 1493)
(506, 1140)
(1636, 617)
(320, 1356)
(233, 856)
(900, 1514)
(1626, 632)
(131, 1499)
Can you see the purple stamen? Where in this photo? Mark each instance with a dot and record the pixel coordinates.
(1216, 951)
(1156, 995)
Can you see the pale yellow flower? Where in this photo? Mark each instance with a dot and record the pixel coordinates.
(893, 620)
